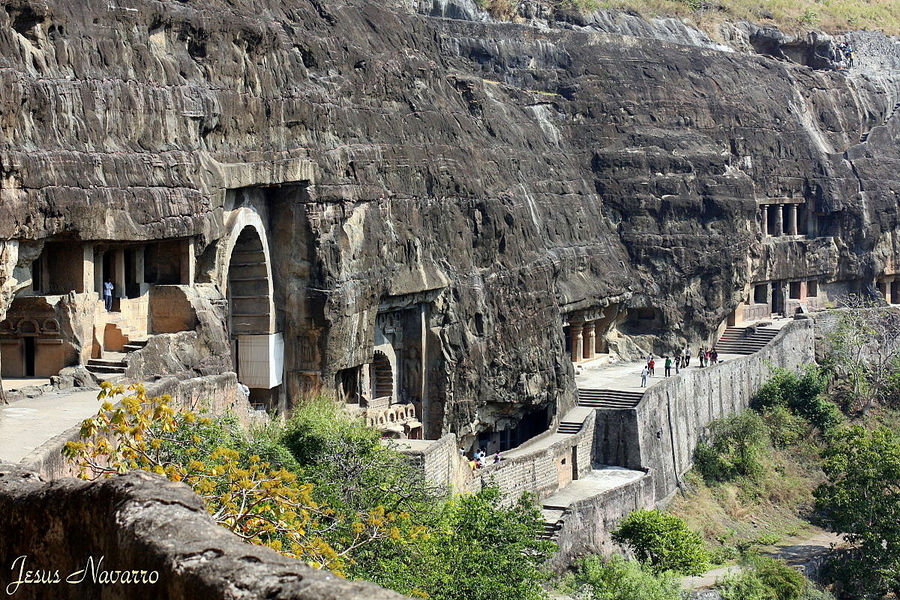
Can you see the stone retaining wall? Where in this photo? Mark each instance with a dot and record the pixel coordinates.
(146, 523)
(216, 393)
(587, 523)
(538, 472)
(672, 416)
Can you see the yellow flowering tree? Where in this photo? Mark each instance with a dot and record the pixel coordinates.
(261, 503)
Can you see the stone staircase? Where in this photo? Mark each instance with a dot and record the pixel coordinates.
(743, 340)
(887, 119)
(113, 365)
(608, 399)
(569, 427)
(553, 522)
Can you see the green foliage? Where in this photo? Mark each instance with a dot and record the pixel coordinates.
(785, 428)
(620, 579)
(861, 500)
(733, 449)
(480, 550)
(465, 547)
(764, 578)
(663, 542)
(801, 393)
(324, 488)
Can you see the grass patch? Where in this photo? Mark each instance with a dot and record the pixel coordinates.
(745, 513)
(834, 16)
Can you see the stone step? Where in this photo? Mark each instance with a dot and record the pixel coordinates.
(609, 399)
(569, 428)
(106, 362)
(106, 369)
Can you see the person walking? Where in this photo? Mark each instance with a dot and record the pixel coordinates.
(668, 366)
(701, 356)
(108, 294)
(652, 366)
(644, 373)
(677, 364)
(687, 356)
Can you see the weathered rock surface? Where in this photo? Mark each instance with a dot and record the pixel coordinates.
(520, 172)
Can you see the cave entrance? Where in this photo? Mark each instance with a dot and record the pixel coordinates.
(249, 288)
(382, 376)
(257, 350)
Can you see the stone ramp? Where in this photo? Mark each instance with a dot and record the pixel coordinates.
(25, 425)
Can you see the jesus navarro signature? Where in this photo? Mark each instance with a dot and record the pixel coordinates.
(92, 572)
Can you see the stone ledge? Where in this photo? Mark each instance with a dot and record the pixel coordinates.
(145, 522)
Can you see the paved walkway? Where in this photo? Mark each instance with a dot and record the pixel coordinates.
(594, 483)
(27, 424)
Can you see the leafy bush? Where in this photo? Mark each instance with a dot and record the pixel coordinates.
(765, 578)
(801, 393)
(663, 542)
(861, 500)
(785, 428)
(733, 449)
(620, 579)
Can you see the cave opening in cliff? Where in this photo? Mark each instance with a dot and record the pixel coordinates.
(257, 350)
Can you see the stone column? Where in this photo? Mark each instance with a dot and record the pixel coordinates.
(889, 290)
(779, 220)
(119, 272)
(577, 340)
(765, 220)
(589, 340)
(792, 219)
(187, 262)
(87, 273)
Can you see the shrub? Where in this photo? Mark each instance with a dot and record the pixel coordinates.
(801, 393)
(620, 579)
(733, 448)
(663, 542)
(765, 578)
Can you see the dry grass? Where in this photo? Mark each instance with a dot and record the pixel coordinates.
(791, 15)
(736, 516)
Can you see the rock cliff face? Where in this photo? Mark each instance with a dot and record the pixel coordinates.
(502, 176)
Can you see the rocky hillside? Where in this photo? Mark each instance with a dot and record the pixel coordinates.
(524, 171)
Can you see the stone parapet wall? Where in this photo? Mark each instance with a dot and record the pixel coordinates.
(216, 393)
(660, 434)
(440, 462)
(146, 523)
(587, 523)
(539, 471)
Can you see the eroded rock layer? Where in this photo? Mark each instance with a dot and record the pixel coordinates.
(474, 186)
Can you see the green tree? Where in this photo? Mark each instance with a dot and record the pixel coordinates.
(861, 500)
(864, 351)
(620, 579)
(733, 447)
(802, 393)
(479, 550)
(663, 542)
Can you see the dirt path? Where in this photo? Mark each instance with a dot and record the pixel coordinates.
(806, 555)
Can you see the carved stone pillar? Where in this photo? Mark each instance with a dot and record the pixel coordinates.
(765, 220)
(589, 339)
(779, 219)
(792, 219)
(577, 341)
